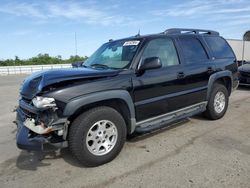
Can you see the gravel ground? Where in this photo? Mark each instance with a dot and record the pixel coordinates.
(195, 153)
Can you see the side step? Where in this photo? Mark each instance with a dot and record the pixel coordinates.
(161, 121)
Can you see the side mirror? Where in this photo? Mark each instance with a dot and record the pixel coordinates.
(151, 63)
(77, 64)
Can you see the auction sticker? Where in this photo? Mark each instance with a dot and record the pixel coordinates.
(131, 43)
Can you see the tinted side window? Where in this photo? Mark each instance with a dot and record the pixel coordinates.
(164, 49)
(193, 51)
(219, 47)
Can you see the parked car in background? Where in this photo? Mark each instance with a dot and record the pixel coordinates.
(77, 64)
(244, 74)
(240, 62)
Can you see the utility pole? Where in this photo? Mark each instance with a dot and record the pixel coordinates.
(243, 51)
(75, 44)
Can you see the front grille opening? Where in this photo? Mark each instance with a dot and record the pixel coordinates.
(29, 101)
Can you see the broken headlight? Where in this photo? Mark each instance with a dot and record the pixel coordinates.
(43, 102)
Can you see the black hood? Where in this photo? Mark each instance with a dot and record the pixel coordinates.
(34, 83)
(244, 68)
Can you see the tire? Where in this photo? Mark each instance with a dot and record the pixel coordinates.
(88, 144)
(216, 110)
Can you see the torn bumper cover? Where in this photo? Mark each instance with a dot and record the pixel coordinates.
(32, 137)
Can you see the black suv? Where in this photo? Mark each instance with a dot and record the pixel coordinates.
(132, 85)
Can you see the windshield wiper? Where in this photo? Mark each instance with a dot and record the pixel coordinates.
(100, 65)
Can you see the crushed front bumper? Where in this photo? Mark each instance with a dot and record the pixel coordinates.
(25, 140)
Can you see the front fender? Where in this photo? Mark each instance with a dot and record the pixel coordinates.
(76, 103)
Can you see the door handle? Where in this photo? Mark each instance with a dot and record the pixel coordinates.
(210, 70)
(180, 75)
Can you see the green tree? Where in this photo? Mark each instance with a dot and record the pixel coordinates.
(41, 59)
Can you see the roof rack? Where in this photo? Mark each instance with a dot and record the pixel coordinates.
(190, 31)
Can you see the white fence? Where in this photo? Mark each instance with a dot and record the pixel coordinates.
(28, 69)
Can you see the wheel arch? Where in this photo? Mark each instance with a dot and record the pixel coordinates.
(222, 77)
(117, 99)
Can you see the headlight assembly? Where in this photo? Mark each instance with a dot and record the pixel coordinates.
(43, 102)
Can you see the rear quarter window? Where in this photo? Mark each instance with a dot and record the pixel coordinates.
(219, 47)
(193, 51)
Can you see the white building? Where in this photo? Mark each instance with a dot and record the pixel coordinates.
(237, 46)
(241, 48)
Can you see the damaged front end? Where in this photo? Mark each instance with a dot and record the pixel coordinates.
(39, 126)
(40, 118)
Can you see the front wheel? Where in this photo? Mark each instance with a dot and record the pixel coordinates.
(218, 102)
(97, 136)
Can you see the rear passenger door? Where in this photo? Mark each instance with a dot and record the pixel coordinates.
(197, 67)
(223, 56)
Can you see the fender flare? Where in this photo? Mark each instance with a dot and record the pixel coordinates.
(76, 103)
(217, 76)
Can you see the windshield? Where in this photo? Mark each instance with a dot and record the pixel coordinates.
(115, 55)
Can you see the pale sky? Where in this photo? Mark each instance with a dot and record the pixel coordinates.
(28, 28)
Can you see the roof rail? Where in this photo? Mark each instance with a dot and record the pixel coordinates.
(191, 31)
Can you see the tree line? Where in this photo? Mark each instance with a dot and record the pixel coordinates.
(42, 59)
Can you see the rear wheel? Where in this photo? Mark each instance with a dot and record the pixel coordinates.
(218, 102)
(97, 136)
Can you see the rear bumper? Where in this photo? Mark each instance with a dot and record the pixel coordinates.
(25, 141)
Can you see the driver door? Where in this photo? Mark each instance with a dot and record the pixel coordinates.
(158, 91)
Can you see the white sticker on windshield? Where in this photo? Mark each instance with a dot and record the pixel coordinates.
(131, 43)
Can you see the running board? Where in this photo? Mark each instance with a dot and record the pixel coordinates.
(161, 121)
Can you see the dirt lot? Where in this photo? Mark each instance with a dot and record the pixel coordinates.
(197, 153)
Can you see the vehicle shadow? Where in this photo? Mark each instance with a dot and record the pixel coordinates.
(200, 117)
(70, 159)
(32, 160)
(243, 88)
